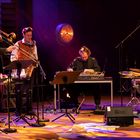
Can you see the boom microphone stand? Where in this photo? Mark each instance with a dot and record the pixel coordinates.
(120, 46)
(43, 77)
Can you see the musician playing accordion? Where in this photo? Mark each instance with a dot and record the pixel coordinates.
(26, 49)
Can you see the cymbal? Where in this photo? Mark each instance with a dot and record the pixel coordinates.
(135, 70)
(125, 74)
(129, 74)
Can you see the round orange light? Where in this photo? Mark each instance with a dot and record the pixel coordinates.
(65, 33)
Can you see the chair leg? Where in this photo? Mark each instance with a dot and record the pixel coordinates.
(77, 110)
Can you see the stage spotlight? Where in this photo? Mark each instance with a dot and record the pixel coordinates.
(64, 33)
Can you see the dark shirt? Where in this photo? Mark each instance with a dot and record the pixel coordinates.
(79, 64)
(2, 51)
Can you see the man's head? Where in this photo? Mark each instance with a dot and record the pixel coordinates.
(27, 34)
(84, 53)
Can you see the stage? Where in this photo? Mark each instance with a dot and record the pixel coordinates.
(87, 125)
(98, 39)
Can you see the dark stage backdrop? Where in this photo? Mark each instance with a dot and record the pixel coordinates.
(98, 24)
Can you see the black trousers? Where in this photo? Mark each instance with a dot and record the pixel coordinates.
(24, 91)
(23, 96)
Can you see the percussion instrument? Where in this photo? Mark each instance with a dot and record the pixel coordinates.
(129, 74)
(134, 69)
(136, 84)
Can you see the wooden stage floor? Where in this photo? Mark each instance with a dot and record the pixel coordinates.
(87, 126)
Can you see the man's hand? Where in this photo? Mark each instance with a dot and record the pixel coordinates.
(10, 48)
(89, 71)
(69, 69)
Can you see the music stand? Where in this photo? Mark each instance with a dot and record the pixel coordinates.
(18, 64)
(15, 64)
(65, 77)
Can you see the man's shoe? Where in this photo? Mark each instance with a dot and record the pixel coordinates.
(99, 110)
(97, 107)
(30, 113)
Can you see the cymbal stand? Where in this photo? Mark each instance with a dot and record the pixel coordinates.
(120, 47)
(134, 100)
(125, 86)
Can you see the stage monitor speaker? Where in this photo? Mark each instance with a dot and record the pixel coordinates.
(122, 116)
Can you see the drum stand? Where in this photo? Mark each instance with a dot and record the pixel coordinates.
(125, 86)
(134, 101)
(120, 58)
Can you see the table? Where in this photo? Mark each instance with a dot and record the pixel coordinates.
(105, 80)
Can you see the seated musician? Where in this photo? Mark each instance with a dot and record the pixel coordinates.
(85, 62)
(26, 49)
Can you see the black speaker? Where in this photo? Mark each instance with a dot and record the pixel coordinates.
(122, 116)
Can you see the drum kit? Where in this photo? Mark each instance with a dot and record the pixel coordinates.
(134, 75)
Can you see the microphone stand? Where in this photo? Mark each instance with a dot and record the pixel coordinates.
(38, 124)
(120, 46)
(43, 77)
